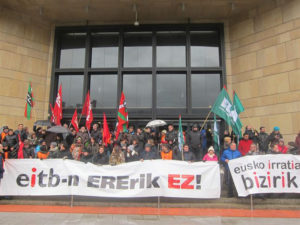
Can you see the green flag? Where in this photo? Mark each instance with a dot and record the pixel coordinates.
(29, 102)
(216, 136)
(180, 135)
(224, 108)
(237, 103)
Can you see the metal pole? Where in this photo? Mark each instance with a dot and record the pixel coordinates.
(72, 200)
(251, 202)
(158, 206)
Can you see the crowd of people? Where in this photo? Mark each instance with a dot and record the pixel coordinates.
(141, 144)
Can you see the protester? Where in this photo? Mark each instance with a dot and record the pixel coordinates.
(64, 152)
(210, 155)
(4, 133)
(171, 134)
(254, 150)
(244, 145)
(86, 155)
(83, 135)
(100, 158)
(275, 136)
(194, 141)
(130, 154)
(166, 153)
(43, 153)
(281, 147)
(28, 151)
(229, 154)
(274, 150)
(92, 146)
(187, 154)
(263, 140)
(77, 148)
(117, 156)
(297, 141)
(96, 134)
(147, 154)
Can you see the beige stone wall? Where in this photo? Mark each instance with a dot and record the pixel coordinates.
(263, 65)
(25, 54)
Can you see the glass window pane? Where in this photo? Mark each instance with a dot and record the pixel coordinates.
(72, 53)
(204, 49)
(103, 90)
(105, 50)
(138, 90)
(138, 49)
(205, 89)
(171, 91)
(171, 49)
(72, 89)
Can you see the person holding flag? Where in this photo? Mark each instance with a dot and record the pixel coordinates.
(105, 133)
(29, 102)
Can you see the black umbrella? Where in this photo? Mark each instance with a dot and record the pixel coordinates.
(58, 130)
(42, 123)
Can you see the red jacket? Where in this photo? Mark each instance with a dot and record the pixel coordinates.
(283, 149)
(244, 146)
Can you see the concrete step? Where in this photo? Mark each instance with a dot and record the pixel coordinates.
(291, 202)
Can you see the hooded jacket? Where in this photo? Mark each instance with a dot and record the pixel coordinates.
(230, 154)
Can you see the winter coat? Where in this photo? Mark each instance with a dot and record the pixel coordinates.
(70, 139)
(171, 136)
(283, 149)
(53, 153)
(244, 146)
(167, 155)
(263, 141)
(148, 155)
(66, 154)
(131, 156)
(86, 159)
(28, 153)
(1, 167)
(230, 154)
(84, 136)
(97, 135)
(187, 156)
(11, 140)
(207, 157)
(116, 158)
(42, 155)
(100, 159)
(194, 139)
(93, 148)
(272, 138)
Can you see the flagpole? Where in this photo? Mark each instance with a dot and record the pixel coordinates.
(205, 121)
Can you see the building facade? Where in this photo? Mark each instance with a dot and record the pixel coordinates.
(174, 62)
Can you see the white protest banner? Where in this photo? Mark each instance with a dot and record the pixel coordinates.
(266, 174)
(167, 178)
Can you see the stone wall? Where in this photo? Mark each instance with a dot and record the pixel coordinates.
(25, 54)
(263, 65)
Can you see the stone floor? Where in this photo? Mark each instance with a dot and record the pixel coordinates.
(90, 219)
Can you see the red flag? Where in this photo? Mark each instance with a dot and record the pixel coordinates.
(52, 119)
(87, 110)
(20, 151)
(105, 132)
(58, 107)
(74, 121)
(122, 116)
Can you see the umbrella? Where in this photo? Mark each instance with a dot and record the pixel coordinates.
(58, 130)
(156, 123)
(42, 123)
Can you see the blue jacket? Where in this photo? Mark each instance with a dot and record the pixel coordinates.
(229, 154)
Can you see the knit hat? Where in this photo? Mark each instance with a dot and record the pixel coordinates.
(211, 148)
(276, 128)
(54, 144)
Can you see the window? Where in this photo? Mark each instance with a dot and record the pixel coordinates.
(171, 90)
(171, 49)
(163, 70)
(138, 49)
(204, 49)
(103, 91)
(205, 89)
(138, 90)
(72, 52)
(72, 90)
(105, 50)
